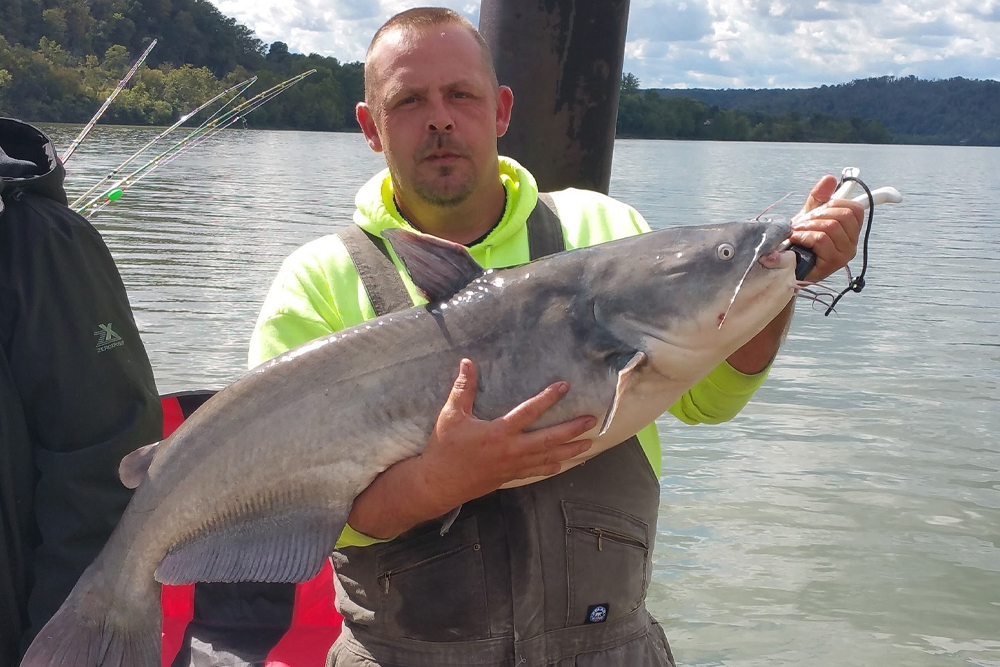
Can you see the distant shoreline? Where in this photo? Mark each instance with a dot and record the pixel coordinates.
(617, 137)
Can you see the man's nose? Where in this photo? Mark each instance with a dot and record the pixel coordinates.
(440, 119)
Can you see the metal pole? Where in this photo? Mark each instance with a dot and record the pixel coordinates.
(563, 60)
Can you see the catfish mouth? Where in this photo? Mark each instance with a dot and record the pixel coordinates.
(772, 254)
(775, 259)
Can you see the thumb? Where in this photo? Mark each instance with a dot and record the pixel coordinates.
(463, 392)
(820, 193)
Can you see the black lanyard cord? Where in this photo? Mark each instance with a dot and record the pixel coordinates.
(857, 284)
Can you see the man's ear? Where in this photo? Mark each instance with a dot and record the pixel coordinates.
(505, 101)
(367, 122)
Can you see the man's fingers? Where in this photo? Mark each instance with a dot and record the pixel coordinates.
(832, 233)
(842, 237)
(829, 257)
(820, 193)
(566, 451)
(550, 462)
(550, 437)
(463, 391)
(851, 215)
(525, 414)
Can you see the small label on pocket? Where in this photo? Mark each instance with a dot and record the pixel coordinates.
(598, 613)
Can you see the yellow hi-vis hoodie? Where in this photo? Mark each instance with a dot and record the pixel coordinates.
(318, 291)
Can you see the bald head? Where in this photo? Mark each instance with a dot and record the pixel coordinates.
(409, 25)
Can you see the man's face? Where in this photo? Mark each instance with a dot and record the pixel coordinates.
(435, 113)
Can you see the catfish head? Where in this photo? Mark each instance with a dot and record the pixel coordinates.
(688, 297)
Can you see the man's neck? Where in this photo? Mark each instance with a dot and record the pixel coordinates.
(462, 223)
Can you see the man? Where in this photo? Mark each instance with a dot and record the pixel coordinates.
(76, 389)
(543, 574)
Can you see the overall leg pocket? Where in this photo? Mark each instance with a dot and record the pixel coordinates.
(433, 587)
(607, 563)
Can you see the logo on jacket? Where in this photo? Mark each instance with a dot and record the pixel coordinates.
(598, 613)
(107, 338)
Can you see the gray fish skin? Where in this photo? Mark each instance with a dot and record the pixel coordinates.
(258, 483)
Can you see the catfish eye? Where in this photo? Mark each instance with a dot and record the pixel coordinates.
(726, 251)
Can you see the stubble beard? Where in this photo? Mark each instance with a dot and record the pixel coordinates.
(449, 193)
(447, 196)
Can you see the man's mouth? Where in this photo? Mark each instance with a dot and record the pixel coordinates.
(445, 156)
(441, 150)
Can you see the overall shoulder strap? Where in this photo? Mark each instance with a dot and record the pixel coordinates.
(381, 279)
(378, 274)
(545, 234)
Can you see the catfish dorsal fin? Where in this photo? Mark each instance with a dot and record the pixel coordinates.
(439, 268)
(133, 468)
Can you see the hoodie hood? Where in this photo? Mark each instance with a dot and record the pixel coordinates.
(28, 161)
(376, 208)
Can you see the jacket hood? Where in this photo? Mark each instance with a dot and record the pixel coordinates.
(28, 161)
(376, 208)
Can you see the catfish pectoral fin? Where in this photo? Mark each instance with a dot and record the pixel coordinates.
(637, 360)
(283, 547)
(448, 520)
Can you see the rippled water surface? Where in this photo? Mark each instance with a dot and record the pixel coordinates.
(849, 516)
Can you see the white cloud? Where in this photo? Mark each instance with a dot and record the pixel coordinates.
(709, 43)
(787, 43)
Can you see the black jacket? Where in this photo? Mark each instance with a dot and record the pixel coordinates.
(76, 388)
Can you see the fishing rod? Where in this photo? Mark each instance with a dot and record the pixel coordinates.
(225, 121)
(115, 192)
(182, 147)
(104, 107)
(239, 88)
(238, 113)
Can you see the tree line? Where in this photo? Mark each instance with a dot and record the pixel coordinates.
(952, 111)
(59, 60)
(647, 114)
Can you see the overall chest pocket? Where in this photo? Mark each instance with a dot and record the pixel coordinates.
(607, 562)
(433, 587)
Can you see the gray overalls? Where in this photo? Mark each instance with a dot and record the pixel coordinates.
(553, 573)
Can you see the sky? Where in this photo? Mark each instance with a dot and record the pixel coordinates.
(708, 43)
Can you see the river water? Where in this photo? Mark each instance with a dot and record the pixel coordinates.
(850, 515)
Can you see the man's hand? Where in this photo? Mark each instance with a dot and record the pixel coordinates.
(833, 233)
(466, 458)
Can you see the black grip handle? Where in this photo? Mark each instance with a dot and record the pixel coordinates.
(805, 260)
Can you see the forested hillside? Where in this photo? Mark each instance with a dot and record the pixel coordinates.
(59, 59)
(647, 114)
(952, 111)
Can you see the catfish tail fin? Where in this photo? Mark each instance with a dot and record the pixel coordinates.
(88, 632)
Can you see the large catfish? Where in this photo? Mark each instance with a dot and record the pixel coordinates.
(257, 485)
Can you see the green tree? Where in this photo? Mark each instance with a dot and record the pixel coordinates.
(5, 79)
(116, 60)
(54, 20)
(54, 52)
(630, 83)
